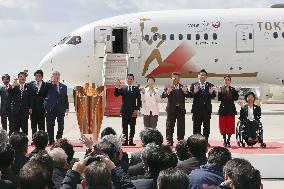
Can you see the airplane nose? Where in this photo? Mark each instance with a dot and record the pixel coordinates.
(46, 64)
(43, 62)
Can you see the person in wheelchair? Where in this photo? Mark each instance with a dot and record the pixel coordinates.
(250, 117)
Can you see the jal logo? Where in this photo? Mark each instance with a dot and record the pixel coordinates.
(216, 24)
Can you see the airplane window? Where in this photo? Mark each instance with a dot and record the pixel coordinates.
(197, 36)
(155, 37)
(108, 37)
(188, 36)
(283, 34)
(180, 36)
(206, 36)
(172, 37)
(75, 40)
(214, 36)
(146, 37)
(164, 37)
(62, 41)
(250, 35)
(275, 35)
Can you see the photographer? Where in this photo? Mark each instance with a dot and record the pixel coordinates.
(97, 173)
(109, 145)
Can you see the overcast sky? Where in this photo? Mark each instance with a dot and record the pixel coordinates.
(30, 28)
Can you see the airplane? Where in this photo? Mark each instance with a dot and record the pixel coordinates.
(247, 44)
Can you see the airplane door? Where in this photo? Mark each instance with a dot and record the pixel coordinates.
(245, 38)
(103, 41)
(134, 47)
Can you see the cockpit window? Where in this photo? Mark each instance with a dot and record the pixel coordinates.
(75, 40)
(62, 41)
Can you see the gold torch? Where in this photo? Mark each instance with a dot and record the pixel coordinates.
(88, 101)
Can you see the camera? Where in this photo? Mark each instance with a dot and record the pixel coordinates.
(92, 159)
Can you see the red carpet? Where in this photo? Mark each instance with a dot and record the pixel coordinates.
(271, 148)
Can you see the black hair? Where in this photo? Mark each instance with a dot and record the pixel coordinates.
(176, 73)
(151, 78)
(7, 155)
(151, 136)
(227, 76)
(232, 164)
(19, 142)
(5, 76)
(182, 150)
(157, 158)
(38, 72)
(197, 145)
(108, 131)
(172, 179)
(249, 93)
(203, 71)
(22, 73)
(40, 140)
(243, 174)
(66, 146)
(219, 155)
(34, 176)
(97, 174)
(130, 74)
(255, 179)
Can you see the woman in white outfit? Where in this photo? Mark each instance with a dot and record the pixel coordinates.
(150, 103)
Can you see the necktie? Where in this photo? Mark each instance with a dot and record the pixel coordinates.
(176, 86)
(202, 86)
(57, 88)
(37, 87)
(129, 88)
(22, 90)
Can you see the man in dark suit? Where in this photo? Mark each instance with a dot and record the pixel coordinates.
(131, 104)
(202, 92)
(56, 105)
(197, 149)
(147, 136)
(176, 94)
(21, 103)
(40, 91)
(5, 104)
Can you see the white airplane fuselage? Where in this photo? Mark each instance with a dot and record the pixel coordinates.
(247, 44)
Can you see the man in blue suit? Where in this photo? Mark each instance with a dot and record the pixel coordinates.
(56, 105)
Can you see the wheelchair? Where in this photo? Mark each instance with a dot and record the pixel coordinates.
(242, 138)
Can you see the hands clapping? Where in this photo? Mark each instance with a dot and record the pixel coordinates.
(241, 103)
(238, 88)
(196, 89)
(211, 89)
(118, 84)
(169, 89)
(185, 89)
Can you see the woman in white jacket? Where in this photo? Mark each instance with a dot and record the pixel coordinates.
(150, 103)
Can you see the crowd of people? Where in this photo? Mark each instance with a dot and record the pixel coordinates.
(106, 166)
